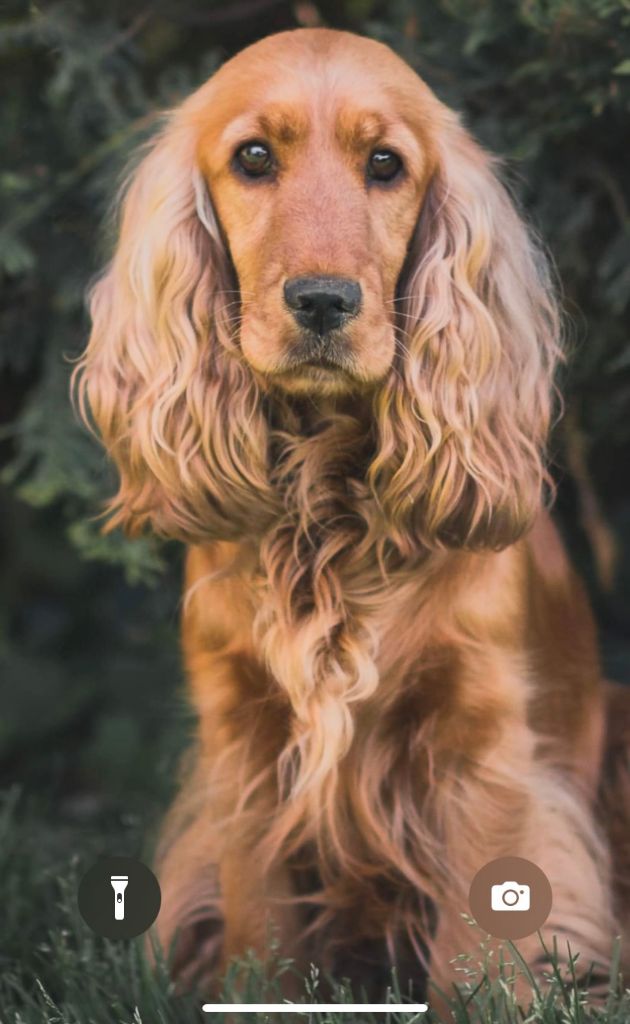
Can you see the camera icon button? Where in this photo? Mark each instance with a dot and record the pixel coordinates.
(510, 897)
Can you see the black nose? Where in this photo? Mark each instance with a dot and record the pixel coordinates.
(322, 303)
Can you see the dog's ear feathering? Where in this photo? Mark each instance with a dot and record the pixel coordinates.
(463, 426)
(460, 422)
(180, 417)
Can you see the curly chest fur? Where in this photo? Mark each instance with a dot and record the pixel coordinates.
(348, 720)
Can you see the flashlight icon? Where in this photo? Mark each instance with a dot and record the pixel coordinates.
(119, 884)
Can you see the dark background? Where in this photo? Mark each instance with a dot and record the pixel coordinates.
(91, 710)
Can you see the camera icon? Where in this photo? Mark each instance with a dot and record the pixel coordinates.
(510, 896)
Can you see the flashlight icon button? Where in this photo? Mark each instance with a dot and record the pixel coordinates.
(119, 884)
(119, 897)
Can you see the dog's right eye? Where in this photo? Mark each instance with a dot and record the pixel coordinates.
(254, 159)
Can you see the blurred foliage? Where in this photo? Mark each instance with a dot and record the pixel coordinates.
(88, 652)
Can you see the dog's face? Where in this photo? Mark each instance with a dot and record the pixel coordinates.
(316, 162)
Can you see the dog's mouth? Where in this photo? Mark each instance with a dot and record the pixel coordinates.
(332, 372)
(323, 363)
(305, 361)
(340, 374)
(329, 353)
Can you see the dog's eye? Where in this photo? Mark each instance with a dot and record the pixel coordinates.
(383, 165)
(255, 159)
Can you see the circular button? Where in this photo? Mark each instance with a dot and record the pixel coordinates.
(119, 897)
(510, 897)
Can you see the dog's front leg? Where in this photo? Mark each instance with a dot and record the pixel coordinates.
(260, 912)
(219, 899)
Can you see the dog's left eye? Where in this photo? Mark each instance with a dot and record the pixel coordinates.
(255, 159)
(383, 165)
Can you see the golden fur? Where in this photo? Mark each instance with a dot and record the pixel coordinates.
(393, 664)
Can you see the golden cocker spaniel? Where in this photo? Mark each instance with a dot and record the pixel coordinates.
(323, 357)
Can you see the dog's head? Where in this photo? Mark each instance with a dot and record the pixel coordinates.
(315, 151)
(314, 221)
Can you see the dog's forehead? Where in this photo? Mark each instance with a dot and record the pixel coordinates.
(311, 54)
(285, 86)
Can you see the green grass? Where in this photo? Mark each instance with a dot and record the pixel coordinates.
(53, 970)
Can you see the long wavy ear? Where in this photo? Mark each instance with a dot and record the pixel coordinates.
(464, 417)
(161, 378)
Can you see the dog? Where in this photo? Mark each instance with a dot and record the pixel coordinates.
(323, 357)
